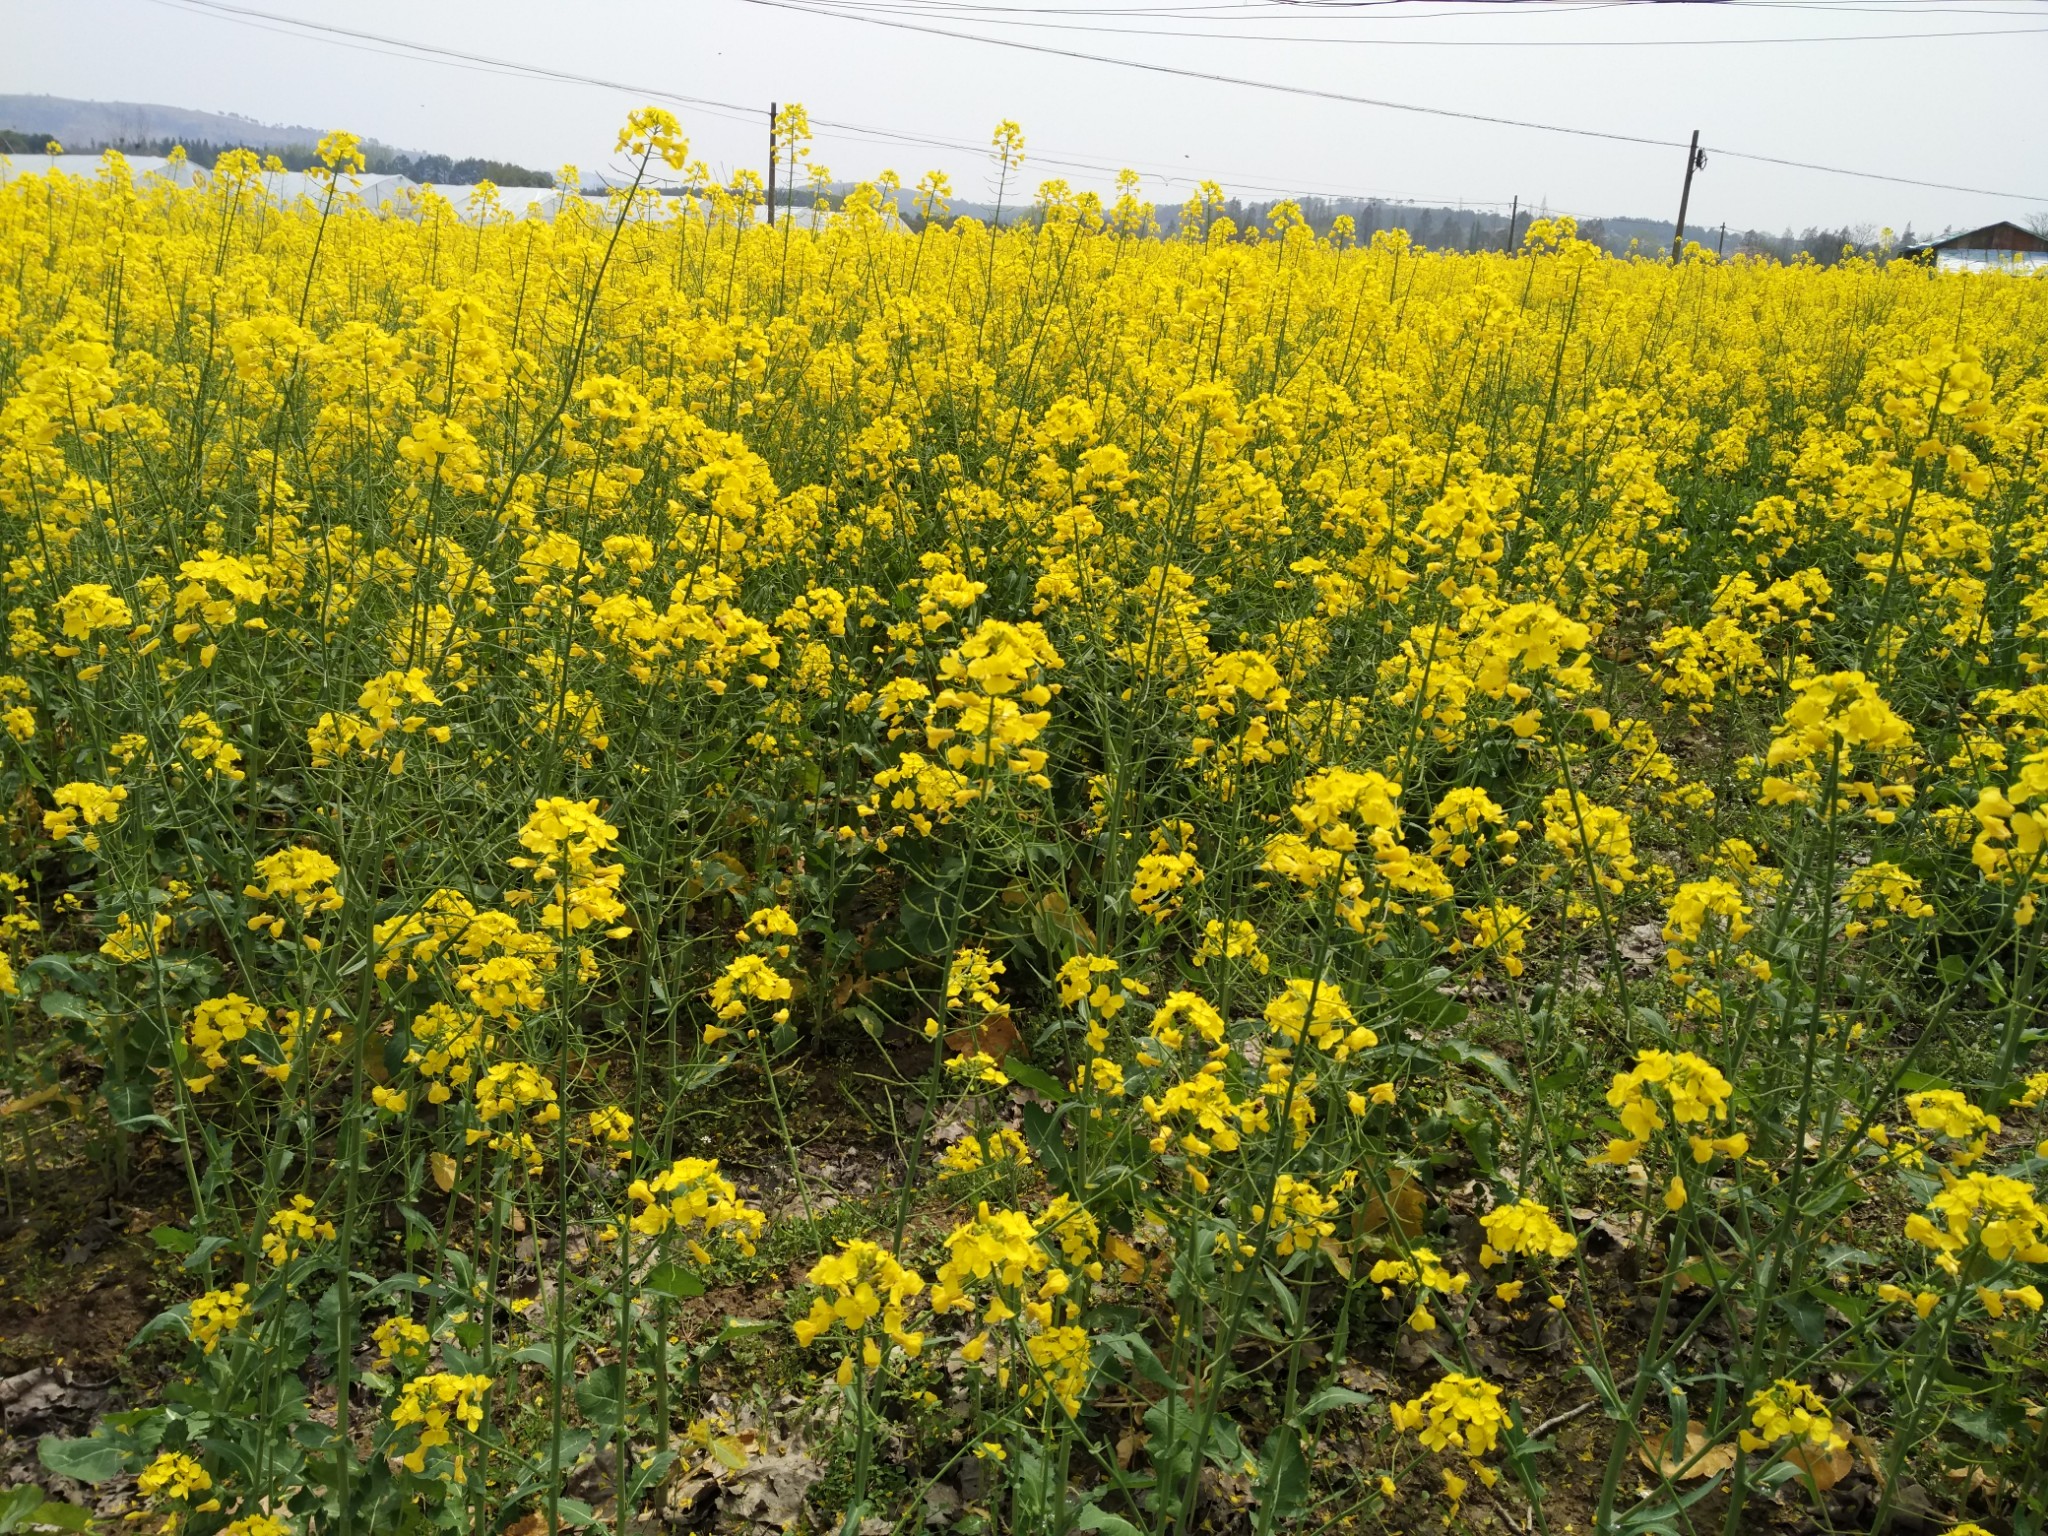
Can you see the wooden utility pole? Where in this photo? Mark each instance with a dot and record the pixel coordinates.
(1514, 212)
(1721, 245)
(771, 168)
(1694, 161)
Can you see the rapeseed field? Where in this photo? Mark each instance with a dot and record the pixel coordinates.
(1023, 879)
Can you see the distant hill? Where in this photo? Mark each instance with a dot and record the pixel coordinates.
(27, 122)
(73, 122)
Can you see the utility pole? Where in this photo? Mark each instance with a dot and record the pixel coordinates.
(1721, 245)
(1694, 161)
(1514, 212)
(771, 168)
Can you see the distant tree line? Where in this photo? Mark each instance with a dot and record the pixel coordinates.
(1467, 229)
(1824, 247)
(379, 160)
(1438, 229)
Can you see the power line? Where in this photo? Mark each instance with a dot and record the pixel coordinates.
(1496, 8)
(1287, 10)
(400, 48)
(1310, 10)
(809, 9)
(990, 15)
(462, 58)
(1202, 74)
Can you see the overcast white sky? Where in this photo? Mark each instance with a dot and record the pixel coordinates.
(1967, 110)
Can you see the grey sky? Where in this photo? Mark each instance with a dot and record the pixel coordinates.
(1947, 109)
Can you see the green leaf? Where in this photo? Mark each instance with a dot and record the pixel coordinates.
(1132, 1349)
(1458, 1052)
(173, 1239)
(1093, 1517)
(1333, 1397)
(1225, 1449)
(25, 1508)
(670, 1281)
(15, 1505)
(132, 1107)
(1413, 993)
(1660, 1519)
(1838, 1256)
(1707, 1271)
(55, 964)
(930, 916)
(83, 1461)
(203, 1251)
(1808, 1316)
(1034, 1078)
(1993, 1425)
(1854, 1305)
(1288, 1305)
(1042, 1132)
(1920, 1082)
(64, 1005)
(600, 1394)
(1283, 1480)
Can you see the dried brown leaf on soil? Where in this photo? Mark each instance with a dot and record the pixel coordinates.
(1698, 1460)
(1823, 1468)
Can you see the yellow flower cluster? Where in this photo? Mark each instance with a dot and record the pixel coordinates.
(693, 1198)
(1997, 1213)
(748, 979)
(995, 1247)
(292, 1226)
(385, 702)
(1526, 1227)
(1169, 870)
(861, 1284)
(1697, 1094)
(1790, 1410)
(1953, 1118)
(1096, 983)
(1237, 939)
(400, 1342)
(971, 988)
(2012, 834)
(1301, 1215)
(1834, 723)
(215, 1314)
(1458, 1412)
(219, 1022)
(91, 805)
(177, 1477)
(1421, 1268)
(301, 879)
(434, 1402)
(1001, 1148)
(510, 1091)
(988, 681)
(564, 840)
(1318, 1010)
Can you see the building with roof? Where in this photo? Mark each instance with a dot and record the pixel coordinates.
(2001, 247)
